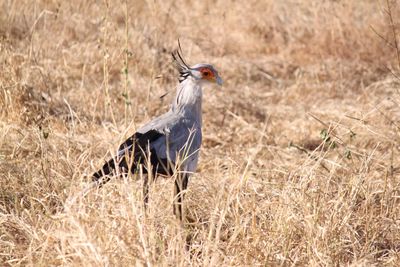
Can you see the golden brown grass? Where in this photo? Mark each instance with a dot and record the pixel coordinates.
(300, 161)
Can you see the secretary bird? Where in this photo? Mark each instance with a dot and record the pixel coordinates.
(169, 144)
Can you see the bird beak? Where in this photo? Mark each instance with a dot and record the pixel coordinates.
(219, 81)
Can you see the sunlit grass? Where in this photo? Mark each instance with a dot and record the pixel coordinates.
(300, 157)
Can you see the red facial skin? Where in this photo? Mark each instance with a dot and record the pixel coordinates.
(207, 74)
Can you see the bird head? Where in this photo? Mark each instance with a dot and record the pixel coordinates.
(204, 73)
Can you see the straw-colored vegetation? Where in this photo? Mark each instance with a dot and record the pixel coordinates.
(300, 159)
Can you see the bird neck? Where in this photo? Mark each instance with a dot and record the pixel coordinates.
(188, 99)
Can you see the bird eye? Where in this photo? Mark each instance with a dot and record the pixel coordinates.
(206, 73)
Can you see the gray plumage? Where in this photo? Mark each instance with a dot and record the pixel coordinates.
(170, 142)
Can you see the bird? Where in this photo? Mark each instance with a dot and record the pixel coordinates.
(169, 144)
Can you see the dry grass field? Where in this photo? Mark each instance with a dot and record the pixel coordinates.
(300, 161)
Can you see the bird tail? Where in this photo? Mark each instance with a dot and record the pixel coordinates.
(103, 175)
(99, 178)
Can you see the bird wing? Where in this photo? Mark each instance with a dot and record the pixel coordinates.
(160, 141)
(178, 141)
(130, 154)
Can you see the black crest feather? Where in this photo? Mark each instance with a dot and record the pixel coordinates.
(180, 64)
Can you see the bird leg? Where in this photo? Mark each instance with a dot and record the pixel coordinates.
(181, 183)
(146, 190)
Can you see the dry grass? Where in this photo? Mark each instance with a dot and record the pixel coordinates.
(300, 161)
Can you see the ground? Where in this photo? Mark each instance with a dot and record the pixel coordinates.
(300, 159)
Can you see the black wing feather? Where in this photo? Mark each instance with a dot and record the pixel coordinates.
(131, 154)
